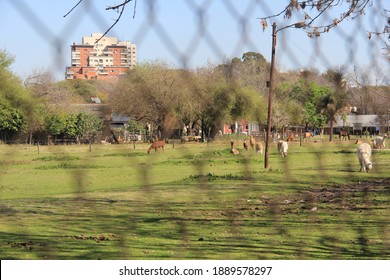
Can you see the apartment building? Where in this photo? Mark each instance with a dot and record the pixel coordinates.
(106, 59)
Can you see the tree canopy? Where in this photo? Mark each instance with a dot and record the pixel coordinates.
(14, 102)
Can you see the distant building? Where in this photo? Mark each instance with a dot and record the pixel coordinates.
(106, 59)
(358, 124)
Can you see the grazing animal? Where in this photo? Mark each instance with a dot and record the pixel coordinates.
(290, 136)
(307, 135)
(343, 135)
(232, 149)
(259, 148)
(245, 145)
(157, 145)
(252, 141)
(283, 148)
(364, 155)
(379, 142)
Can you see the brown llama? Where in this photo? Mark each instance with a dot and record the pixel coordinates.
(344, 135)
(307, 135)
(232, 149)
(290, 136)
(245, 144)
(157, 145)
(259, 148)
(252, 141)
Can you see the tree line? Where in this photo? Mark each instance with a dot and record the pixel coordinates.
(39, 109)
(165, 98)
(211, 96)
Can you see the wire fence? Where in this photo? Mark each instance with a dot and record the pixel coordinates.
(200, 200)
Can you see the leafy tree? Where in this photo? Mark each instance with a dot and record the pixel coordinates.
(287, 113)
(313, 116)
(88, 125)
(152, 93)
(133, 126)
(16, 105)
(298, 91)
(219, 100)
(253, 56)
(213, 100)
(70, 129)
(334, 100)
(61, 125)
(5, 60)
(249, 71)
(74, 125)
(11, 119)
(55, 124)
(34, 120)
(79, 88)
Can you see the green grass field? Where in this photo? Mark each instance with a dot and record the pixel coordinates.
(192, 201)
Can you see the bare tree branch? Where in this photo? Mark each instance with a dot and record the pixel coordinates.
(121, 6)
(74, 7)
(118, 6)
(312, 10)
(112, 25)
(383, 35)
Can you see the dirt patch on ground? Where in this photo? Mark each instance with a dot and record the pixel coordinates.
(97, 238)
(363, 195)
(330, 192)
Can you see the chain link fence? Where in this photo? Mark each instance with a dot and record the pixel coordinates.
(199, 200)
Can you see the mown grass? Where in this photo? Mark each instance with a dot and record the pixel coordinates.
(192, 201)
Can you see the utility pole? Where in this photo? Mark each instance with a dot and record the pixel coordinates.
(271, 93)
(300, 24)
(388, 121)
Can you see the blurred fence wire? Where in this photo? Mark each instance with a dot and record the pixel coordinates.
(198, 200)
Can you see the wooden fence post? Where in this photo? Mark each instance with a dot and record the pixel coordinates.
(300, 138)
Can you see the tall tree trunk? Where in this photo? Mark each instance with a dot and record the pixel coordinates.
(331, 130)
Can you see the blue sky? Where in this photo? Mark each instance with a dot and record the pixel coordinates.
(39, 37)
